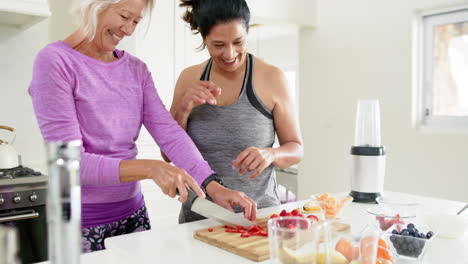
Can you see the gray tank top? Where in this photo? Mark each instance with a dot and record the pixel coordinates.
(221, 133)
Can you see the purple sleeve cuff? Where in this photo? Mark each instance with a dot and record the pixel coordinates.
(200, 172)
(99, 170)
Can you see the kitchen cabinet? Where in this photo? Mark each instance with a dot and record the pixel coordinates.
(23, 13)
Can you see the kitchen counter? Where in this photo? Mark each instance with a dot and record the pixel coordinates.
(177, 245)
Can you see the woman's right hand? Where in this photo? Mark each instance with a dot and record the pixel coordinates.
(200, 92)
(170, 179)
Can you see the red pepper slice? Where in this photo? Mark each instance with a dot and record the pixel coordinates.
(254, 228)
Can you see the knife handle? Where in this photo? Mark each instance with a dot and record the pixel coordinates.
(191, 195)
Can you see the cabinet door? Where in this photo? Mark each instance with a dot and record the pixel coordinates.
(23, 13)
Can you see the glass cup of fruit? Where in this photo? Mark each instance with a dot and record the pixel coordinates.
(332, 204)
(295, 239)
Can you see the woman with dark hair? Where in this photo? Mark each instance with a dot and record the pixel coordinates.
(233, 104)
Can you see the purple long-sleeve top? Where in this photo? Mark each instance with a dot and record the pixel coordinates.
(104, 104)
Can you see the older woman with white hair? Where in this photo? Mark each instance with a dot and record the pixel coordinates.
(84, 88)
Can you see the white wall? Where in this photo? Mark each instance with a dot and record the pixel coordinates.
(362, 49)
(19, 48)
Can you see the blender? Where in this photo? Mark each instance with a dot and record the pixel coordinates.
(368, 154)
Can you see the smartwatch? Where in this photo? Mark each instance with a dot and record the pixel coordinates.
(212, 177)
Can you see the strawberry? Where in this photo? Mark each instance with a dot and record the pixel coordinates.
(283, 212)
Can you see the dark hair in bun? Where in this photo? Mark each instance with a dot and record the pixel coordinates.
(202, 15)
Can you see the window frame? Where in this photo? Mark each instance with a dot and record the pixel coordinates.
(422, 73)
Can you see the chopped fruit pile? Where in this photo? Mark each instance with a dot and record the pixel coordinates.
(332, 205)
(254, 230)
(409, 241)
(257, 230)
(294, 212)
(387, 223)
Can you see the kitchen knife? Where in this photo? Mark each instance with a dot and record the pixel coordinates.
(215, 212)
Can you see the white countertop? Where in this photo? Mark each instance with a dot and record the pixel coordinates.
(177, 245)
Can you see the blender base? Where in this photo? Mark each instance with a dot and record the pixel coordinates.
(362, 197)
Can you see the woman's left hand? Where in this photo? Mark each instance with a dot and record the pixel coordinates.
(254, 160)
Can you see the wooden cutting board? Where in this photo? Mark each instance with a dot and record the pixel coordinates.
(255, 247)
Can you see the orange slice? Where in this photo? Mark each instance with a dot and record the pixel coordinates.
(347, 249)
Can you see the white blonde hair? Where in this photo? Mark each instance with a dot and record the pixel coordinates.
(87, 12)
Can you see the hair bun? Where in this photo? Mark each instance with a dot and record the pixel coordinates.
(190, 15)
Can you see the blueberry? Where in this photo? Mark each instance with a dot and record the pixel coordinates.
(411, 230)
(422, 235)
(394, 231)
(429, 234)
(405, 232)
(410, 225)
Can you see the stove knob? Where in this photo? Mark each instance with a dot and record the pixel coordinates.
(33, 197)
(2, 200)
(17, 199)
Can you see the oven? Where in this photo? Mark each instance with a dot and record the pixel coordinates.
(22, 206)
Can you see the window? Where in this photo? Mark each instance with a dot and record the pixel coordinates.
(441, 70)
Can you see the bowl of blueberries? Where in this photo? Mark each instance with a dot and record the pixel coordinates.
(410, 242)
(403, 227)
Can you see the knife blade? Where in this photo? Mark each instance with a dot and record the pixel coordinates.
(215, 212)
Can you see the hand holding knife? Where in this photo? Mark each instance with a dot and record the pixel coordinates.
(215, 212)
